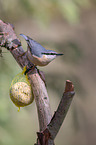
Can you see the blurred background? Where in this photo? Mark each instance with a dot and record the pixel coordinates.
(69, 27)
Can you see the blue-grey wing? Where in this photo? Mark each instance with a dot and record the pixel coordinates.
(36, 48)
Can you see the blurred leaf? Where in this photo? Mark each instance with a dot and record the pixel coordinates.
(26, 5)
(69, 10)
(83, 3)
(43, 11)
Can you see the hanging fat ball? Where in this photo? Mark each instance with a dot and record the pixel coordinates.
(20, 90)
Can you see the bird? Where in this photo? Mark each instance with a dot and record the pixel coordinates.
(37, 54)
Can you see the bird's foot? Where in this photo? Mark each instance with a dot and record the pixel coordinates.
(30, 68)
(41, 73)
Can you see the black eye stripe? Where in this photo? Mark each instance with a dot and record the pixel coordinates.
(52, 53)
(49, 53)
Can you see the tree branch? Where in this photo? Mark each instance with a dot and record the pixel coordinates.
(49, 126)
(62, 110)
(58, 117)
(9, 40)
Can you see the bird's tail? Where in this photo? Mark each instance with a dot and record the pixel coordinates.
(24, 36)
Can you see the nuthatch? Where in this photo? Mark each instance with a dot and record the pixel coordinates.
(37, 54)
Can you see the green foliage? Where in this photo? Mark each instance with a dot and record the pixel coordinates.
(43, 11)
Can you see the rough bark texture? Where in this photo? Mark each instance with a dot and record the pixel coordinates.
(49, 126)
(9, 40)
(53, 127)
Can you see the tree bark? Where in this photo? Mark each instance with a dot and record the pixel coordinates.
(49, 126)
